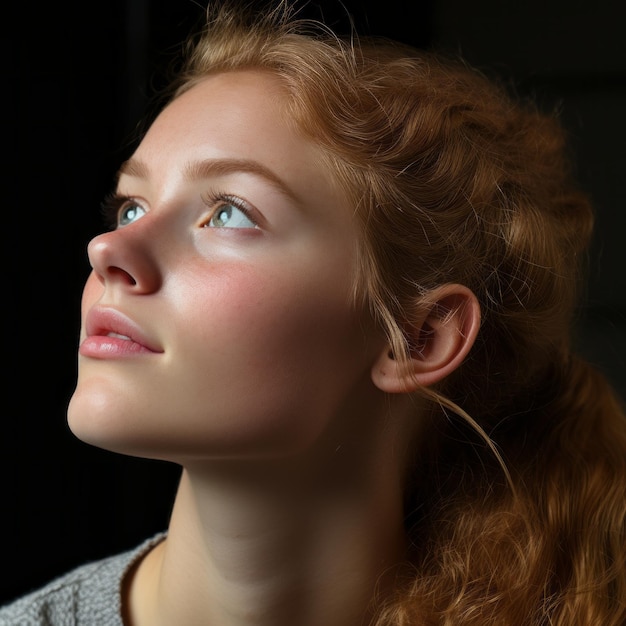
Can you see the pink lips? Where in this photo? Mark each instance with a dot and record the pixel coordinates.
(110, 334)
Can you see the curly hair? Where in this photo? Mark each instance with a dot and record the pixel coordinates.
(453, 179)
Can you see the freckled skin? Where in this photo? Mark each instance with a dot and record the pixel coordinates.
(262, 348)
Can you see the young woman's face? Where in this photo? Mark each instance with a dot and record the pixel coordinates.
(218, 319)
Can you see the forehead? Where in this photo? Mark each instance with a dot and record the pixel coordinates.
(237, 115)
(243, 110)
(234, 91)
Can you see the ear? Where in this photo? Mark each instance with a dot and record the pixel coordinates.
(440, 339)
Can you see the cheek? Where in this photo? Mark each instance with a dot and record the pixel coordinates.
(261, 317)
(272, 360)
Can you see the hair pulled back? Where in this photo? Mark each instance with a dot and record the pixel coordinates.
(454, 181)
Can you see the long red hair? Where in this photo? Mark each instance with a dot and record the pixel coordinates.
(453, 180)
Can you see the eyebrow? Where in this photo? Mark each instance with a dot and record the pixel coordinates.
(208, 168)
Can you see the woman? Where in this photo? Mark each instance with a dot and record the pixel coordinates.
(339, 292)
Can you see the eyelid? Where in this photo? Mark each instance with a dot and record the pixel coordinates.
(111, 206)
(215, 199)
(114, 202)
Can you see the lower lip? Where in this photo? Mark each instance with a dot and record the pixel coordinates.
(100, 347)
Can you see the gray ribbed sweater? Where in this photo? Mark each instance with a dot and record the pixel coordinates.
(89, 595)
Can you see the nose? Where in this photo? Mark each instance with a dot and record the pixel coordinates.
(121, 258)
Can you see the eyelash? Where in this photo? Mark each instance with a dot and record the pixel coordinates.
(110, 208)
(113, 203)
(216, 199)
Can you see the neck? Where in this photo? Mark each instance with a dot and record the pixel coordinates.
(277, 544)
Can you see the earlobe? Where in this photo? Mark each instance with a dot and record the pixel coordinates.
(439, 340)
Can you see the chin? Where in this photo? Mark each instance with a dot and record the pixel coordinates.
(96, 416)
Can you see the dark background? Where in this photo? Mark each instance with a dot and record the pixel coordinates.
(77, 77)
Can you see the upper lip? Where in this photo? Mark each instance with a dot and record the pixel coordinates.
(103, 320)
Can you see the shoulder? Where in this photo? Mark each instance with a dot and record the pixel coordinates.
(89, 595)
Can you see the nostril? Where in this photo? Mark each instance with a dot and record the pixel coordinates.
(122, 261)
(118, 272)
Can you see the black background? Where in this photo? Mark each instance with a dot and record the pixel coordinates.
(77, 78)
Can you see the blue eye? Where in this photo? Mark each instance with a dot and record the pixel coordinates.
(229, 215)
(120, 210)
(130, 213)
